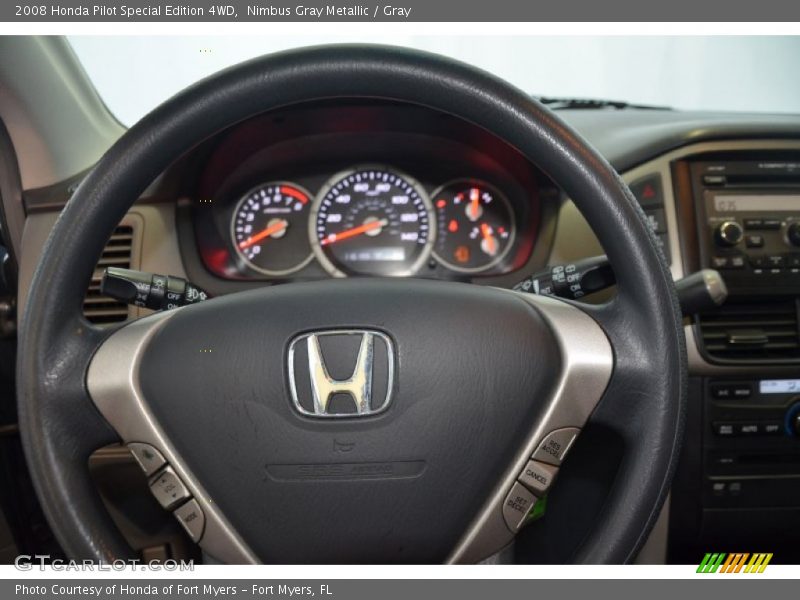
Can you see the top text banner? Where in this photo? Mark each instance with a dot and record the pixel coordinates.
(400, 11)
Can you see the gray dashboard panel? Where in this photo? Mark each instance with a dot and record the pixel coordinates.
(627, 138)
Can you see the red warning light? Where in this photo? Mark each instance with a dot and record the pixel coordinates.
(461, 254)
(441, 203)
(648, 192)
(452, 226)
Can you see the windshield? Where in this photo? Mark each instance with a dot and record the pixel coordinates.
(135, 74)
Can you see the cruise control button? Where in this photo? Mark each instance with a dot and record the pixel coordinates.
(191, 516)
(538, 476)
(148, 457)
(555, 445)
(168, 488)
(518, 504)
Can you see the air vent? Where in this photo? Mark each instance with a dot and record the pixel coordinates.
(117, 253)
(752, 332)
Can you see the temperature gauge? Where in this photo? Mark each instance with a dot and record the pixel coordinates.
(475, 225)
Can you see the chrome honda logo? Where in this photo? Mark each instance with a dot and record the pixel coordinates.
(365, 387)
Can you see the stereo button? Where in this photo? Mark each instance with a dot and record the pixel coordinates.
(191, 517)
(169, 489)
(775, 261)
(148, 457)
(754, 241)
(753, 224)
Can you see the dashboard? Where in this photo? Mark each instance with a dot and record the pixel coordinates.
(372, 188)
(363, 190)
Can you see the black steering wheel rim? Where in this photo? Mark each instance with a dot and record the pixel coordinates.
(645, 400)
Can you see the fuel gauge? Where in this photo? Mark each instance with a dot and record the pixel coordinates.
(475, 225)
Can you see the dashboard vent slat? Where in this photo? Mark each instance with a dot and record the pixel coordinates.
(752, 332)
(118, 252)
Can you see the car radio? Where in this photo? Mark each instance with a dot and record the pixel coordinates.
(748, 212)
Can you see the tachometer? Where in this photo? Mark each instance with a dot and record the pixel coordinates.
(269, 228)
(372, 221)
(476, 225)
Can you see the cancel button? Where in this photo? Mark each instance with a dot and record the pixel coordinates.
(537, 476)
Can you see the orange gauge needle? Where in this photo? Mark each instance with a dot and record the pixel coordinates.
(348, 233)
(489, 244)
(272, 229)
(474, 208)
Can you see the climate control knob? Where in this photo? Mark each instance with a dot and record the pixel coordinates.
(793, 233)
(728, 233)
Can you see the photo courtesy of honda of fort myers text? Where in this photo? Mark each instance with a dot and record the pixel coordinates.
(441, 299)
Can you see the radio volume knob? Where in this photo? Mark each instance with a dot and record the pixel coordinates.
(728, 233)
(793, 233)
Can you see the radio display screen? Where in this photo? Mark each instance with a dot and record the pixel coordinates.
(779, 386)
(757, 203)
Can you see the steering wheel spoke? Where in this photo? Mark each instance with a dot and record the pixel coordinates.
(113, 381)
(587, 363)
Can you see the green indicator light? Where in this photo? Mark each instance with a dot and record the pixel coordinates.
(537, 511)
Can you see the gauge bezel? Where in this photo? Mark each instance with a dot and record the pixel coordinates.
(513, 225)
(250, 265)
(319, 252)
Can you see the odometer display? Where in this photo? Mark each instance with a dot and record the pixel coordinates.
(372, 221)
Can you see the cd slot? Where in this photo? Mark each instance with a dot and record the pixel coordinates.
(766, 180)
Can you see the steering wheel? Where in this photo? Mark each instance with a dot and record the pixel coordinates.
(482, 392)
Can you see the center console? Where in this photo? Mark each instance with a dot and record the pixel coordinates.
(738, 488)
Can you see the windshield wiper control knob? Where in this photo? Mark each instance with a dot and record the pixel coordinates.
(700, 291)
(149, 290)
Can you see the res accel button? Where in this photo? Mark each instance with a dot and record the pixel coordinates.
(168, 488)
(555, 445)
(537, 476)
(518, 504)
(148, 457)
(192, 519)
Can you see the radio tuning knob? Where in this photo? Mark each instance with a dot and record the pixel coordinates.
(793, 233)
(729, 233)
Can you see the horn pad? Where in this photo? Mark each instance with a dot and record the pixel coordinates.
(471, 369)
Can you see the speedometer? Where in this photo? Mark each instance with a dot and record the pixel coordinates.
(372, 221)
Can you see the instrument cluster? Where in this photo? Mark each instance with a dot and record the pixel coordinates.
(434, 204)
(372, 220)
